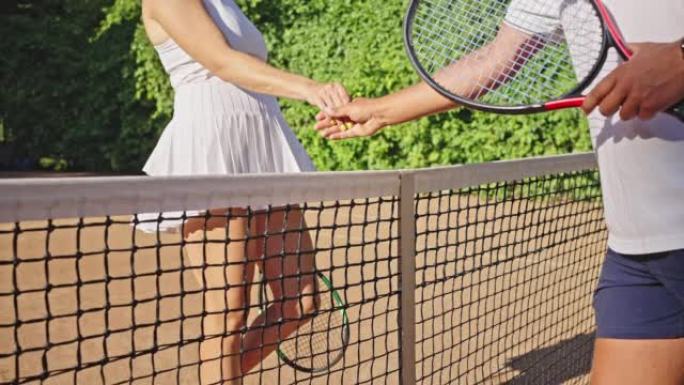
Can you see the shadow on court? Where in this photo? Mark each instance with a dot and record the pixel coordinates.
(556, 364)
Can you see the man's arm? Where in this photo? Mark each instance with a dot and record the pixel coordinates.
(463, 77)
(651, 82)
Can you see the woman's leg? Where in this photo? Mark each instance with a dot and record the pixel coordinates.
(226, 276)
(288, 254)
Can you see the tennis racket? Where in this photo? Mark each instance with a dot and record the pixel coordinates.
(320, 342)
(513, 56)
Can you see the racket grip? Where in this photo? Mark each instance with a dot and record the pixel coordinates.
(677, 111)
(565, 103)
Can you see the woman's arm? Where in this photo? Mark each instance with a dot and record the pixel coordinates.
(188, 23)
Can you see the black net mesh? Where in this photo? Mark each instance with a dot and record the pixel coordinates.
(505, 275)
(309, 293)
(95, 301)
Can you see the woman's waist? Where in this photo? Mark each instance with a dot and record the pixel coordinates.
(215, 96)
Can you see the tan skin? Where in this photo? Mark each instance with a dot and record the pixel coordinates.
(190, 26)
(420, 100)
(234, 266)
(652, 82)
(226, 354)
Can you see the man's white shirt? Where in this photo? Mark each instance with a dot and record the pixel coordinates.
(641, 162)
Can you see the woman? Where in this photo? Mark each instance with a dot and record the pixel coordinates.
(226, 121)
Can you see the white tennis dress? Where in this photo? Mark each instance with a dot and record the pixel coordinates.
(218, 127)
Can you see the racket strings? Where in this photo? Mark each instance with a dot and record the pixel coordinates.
(453, 41)
(320, 341)
(498, 75)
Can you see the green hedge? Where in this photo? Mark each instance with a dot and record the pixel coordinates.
(85, 87)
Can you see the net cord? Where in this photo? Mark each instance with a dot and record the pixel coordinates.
(457, 177)
(36, 199)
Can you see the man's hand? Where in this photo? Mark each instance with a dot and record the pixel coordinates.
(651, 82)
(361, 112)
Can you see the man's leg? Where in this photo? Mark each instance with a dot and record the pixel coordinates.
(638, 362)
(640, 316)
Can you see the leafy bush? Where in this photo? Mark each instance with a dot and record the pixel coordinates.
(68, 98)
(98, 96)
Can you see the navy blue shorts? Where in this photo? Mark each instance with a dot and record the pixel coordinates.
(641, 296)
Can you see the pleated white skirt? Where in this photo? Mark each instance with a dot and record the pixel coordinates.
(220, 129)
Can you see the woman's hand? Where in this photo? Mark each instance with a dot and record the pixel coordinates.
(326, 96)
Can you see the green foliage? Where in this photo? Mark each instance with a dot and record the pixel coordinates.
(86, 86)
(68, 96)
(53, 164)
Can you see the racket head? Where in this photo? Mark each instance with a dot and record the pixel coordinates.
(444, 35)
(320, 342)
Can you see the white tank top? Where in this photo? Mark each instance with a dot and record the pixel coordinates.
(239, 32)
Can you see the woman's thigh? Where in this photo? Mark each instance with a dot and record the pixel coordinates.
(219, 256)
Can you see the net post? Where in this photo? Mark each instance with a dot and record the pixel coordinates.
(407, 277)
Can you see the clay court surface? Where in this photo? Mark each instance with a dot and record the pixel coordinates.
(503, 297)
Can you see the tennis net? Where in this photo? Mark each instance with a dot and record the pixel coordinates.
(478, 274)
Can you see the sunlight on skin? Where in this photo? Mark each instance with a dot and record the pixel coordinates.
(228, 354)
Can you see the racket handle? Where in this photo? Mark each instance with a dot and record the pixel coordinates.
(565, 103)
(677, 111)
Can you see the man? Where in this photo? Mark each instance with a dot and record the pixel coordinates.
(640, 297)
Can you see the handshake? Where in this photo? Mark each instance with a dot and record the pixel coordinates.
(340, 116)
